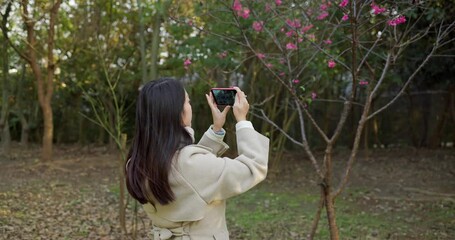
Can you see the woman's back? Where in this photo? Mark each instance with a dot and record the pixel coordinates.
(202, 181)
(182, 186)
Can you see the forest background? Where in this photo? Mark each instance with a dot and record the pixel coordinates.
(71, 71)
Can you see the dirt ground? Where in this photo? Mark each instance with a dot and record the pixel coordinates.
(76, 195)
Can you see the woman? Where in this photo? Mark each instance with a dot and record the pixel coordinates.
(184, 186)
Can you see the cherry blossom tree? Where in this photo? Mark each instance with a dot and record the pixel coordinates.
(303, 43)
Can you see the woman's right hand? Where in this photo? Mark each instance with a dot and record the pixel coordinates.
(241, 105)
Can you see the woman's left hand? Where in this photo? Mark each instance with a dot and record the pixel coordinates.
(219, 117)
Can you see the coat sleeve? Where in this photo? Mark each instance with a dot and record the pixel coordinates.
(215, 178)
(213, 142)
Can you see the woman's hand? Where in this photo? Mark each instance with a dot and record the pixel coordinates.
(241, 105)
(219, 117)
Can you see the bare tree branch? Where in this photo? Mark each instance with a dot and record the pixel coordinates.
(408, 81)
(264, 117)
(305, 144)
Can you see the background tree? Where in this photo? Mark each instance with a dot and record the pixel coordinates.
(4, 122)
(44, 79)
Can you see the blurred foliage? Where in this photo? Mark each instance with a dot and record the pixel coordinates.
(95, 33)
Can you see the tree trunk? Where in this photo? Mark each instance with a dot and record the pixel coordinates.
(142, 43)
(122, 207)
(330, 209)
(426, 110)
(413, 117)
(82, 136)
(25, 129)
(45, 86)
(452, 107)
(160, 15)
(48, 131)
(329, 200)
(155, 45)
(436, 136)
(4, 125)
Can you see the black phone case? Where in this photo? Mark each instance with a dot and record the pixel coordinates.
(224, 97)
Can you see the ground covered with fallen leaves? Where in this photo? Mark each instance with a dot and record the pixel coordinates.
(392, 194)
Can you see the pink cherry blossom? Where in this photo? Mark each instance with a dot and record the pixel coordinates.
(376, 9)
(258, 25)
(237, 6)
(269, 65)
(260, 55)
(291, 46)
(328, 41)
(345, 17)
(344, 3)
(314, 95)
(363, 82)
(293, 23)
(296, 81)
(290, 33)
(397, 21)
(323, 15)
(278, 2)
(323, 7)
(300, 40)
(306, 28)
(245, 13)
(331, 63)
(187, 63)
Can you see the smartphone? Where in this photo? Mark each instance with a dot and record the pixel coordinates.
(224, 96)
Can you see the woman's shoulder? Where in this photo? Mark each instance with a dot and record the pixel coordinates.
(194, 149)
(194, 157)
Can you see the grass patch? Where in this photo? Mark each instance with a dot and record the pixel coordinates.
(265, 211)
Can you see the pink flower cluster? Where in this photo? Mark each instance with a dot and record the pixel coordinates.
(344, 3)
(260, 55)
(291, 46)
(397, 21)
(314, 95)
(345, 17)
(293, 23)
(296, 24)
(306, 28)
(331, 63)
(241, 11)
(323, 15)
(328, 41)
(296, 81)
(258, 26)
(323, 7)
(187, 63)
(290, 33)
(376, 9)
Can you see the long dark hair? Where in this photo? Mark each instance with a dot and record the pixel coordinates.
(158, 135)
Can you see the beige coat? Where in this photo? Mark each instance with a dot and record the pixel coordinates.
(202, 181)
